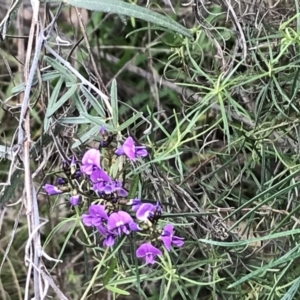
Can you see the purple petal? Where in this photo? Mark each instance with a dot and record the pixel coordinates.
(149, 259)
(178, 241)
(91, 157)
(77, 174)
(60, 181)
(98, 211)
(125, 217)
(52, 189)
(148, 252)
(98, 187)
(141, 151)
(102, 230)
(118, 219)
(99, 175)
(119, 151)
(135, 204)
(102, 129)
(75, 200)
(168, 229)
(145, 211)
(114, 221)
(87, 169)
(73, 162)
(109, 241)
(108, 189)
(147, 248)
(167, 240)
(96, 216)
(87, 220)
(134, 226)
(129, 148)
(122, 192)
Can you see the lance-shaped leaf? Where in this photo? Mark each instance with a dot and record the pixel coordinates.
(127, 9)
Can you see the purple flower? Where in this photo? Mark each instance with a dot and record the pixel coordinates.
(109, 237)
(74, 200)
(147, 211)
(135, 204)
(109, 241)
(98, 175)
(97, 215)
(90, 161)
(119, 189)
(61, 181)
(169, 238)
(130, 150)
(103, 187)
(52, 189)
(119, 222)
(110, 187)
(102, 182)
(102, 130)
(148, 252)
(77, 174)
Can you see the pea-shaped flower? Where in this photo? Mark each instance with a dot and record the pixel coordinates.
(147, 211)
(75, 200)
(96, 216)
(90, 161)
(52, 189)
(148, 252)
(169, 238)
(120, 222)
(131, 150)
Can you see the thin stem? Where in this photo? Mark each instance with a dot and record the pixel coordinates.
(94, 276)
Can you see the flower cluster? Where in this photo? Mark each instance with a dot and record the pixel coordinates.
(111, 214)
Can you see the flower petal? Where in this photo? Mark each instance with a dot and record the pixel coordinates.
(52, 189)
(99, 175)
(178, 241)
(91, 157)
(75, 200)
(119, 151)
(168, 229)
(141, 151)
(87, 220)
(145, 211)
(148, 251)
(98, 211)
(129, 148)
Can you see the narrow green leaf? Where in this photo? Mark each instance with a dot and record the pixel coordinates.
(127, 9)
(86, 136)
(97, 121)
(249, 241)
(78, 103)
(114, 103)
(61, 69)
(117, 290)
(52, 109)
(282, 260)
(74, 120)
(93, 101)
(52, 100)
(133, 186)
(290, 294)
(110, 271)
(45, 77)
(129, 121)
(10, 15)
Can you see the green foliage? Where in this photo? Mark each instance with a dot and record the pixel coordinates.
(220, 114)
